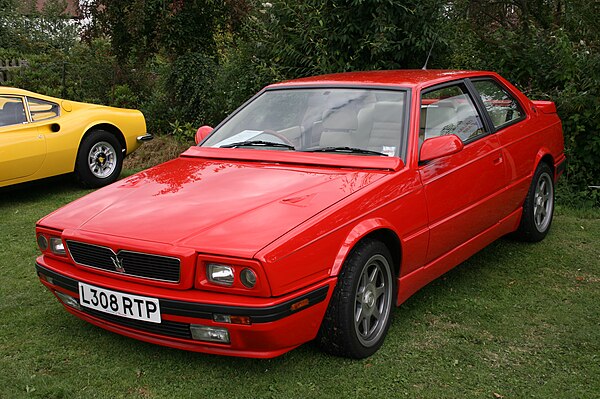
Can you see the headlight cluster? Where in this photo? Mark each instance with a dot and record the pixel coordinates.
(232, 275)
(226, 275)
(49, 243)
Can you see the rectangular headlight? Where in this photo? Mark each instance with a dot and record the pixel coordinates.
(220, 274)
(56, 246)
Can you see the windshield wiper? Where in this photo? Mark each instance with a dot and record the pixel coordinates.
(258, 143)
(348, 150)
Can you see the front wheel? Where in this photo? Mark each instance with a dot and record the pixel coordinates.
(358, 316)
(99, 159)
(538, 208)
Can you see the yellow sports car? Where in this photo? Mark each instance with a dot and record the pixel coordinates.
(41, 136)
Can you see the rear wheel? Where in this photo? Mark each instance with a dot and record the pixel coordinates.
(359, 312)
(99, 160)
(538, 208)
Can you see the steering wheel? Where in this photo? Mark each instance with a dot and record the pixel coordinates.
(278, 135)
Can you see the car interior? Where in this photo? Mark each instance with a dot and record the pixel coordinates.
(374, 123)
(12, 113)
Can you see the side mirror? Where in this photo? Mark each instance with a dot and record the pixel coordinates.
(202, 132)
(441, 146)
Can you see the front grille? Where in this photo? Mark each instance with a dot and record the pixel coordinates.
(166, 327)
(136, 264)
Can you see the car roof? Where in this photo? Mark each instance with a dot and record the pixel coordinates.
(7, 90)
(409, 78)
(15, 91)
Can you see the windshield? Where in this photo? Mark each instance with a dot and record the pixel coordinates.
(354, 121)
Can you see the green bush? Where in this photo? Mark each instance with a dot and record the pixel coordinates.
(183, 132)
(315, 37)
(547, 64)
(87, 71)
(185, 64)
(238, 76)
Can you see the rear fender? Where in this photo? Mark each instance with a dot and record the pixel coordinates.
(546, 107)
(543, 153)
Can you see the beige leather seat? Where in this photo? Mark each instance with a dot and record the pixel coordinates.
(439, 116)
(380, 125)
(12, 113)
(339, 128)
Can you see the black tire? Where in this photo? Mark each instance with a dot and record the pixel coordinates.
(99, 159)
(339, 334)
(538, 208)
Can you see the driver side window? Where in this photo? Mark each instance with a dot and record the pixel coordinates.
(12, 111)
(449, 110)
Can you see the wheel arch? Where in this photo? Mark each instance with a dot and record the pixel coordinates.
(529, 229)
(109, 127)
(545, 156)
(377, 229)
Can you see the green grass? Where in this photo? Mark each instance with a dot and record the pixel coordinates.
(514, 321)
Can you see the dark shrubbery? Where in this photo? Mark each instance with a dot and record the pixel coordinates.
(551, 53)
(188, 63)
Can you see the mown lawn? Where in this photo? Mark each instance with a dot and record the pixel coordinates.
(514, 321)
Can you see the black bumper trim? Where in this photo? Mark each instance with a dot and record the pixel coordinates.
(58, 279)
(167, 328)
(206, 311)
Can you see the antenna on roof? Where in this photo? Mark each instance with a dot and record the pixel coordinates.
(429, 55)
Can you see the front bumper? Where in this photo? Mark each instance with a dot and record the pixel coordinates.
(275, 328)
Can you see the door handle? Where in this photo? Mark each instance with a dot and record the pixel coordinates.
(498, 160)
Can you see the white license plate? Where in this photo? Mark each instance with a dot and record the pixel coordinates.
(120, 304)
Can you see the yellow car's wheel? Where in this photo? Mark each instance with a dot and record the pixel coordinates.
(99, 159)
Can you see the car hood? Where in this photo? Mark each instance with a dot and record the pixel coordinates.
(214, 206)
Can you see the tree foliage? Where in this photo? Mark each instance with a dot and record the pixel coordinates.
(24, 29)
(550, 49)
(316, 36)
(190, 62)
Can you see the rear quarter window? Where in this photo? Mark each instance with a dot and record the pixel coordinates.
(41, 109)
(502, 107)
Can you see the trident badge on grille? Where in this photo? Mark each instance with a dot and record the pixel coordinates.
(118, 264)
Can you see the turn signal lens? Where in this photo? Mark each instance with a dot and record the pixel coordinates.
(299, 305)
(240, 320)
(220, 274)
(248, 278)
(56, 246)
(224, 318)
(221, 318)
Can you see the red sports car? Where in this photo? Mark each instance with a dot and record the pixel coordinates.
(309, 213)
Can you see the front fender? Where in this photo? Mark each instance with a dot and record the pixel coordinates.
(358, 232)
